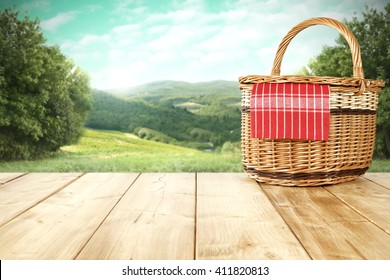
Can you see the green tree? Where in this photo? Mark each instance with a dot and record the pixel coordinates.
(372, 33)
(44, 97)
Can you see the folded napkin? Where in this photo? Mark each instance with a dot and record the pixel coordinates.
(290, 111)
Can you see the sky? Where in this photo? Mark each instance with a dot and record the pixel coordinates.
(123, 43)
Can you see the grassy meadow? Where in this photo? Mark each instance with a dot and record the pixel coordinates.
(113, 151)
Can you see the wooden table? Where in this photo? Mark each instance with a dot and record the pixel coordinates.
(190, 216)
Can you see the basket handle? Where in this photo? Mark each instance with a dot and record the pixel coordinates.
(348, 35)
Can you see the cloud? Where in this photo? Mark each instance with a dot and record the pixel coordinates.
(191, 45)
(93, 39)
(36, 4)
(192, 42)
(114, 77)
(60, 19)
(128, 10)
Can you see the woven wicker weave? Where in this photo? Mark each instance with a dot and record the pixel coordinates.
(347, 153)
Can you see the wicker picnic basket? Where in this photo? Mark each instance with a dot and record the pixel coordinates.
(346, 154)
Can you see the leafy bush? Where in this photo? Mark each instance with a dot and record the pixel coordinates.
(372, 32)
(150, 134)
(44, 97)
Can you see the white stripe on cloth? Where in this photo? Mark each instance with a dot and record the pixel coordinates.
(292, 111)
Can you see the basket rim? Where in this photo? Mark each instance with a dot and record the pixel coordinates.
(328, 80)
(248, 79)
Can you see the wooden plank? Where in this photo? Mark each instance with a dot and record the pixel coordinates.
(328, 228)
(5, 177)
(60, 226)
(235, 220)
(371, 200)
(23, 193)
(382, 179)
(154, 220)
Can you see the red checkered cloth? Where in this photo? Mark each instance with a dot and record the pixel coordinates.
(290, 111)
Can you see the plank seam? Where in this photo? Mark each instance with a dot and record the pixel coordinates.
(12, 179)
(196, 216)
(387, 188)
(105, 218)
(280, 214)
(358, 212)
(43, 199)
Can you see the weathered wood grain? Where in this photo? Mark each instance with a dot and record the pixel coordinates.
(188, 215)
(59, 227)
(235, 220)
(369, 199)
(326, 227)
(25, 192)
(5, 177)
(155, 219)
(382, 179)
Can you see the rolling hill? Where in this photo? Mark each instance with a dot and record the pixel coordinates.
(197, 115)
(114, 151)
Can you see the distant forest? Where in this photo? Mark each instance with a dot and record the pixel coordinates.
(200, 115)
